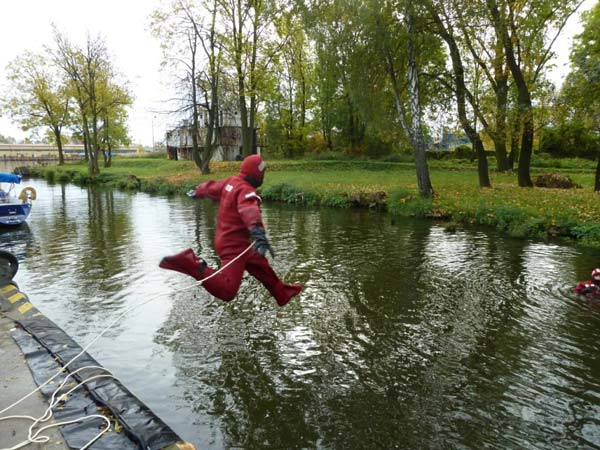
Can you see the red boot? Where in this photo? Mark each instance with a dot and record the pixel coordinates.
(185, 262)
(284, 293)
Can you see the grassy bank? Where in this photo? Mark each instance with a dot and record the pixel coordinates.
(539, 212)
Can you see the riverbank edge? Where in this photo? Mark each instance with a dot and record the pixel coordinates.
(16, 381)
(17, 378)
(510, 219)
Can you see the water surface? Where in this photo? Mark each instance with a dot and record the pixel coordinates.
(406, 336)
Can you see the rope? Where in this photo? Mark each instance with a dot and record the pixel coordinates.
(32, 437)
(36, 438)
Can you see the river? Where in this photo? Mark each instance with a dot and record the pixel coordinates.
(406, 335)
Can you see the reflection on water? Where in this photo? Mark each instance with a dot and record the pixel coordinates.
(406, 336)
(18, 240)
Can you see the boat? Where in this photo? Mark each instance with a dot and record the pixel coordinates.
(14, 209)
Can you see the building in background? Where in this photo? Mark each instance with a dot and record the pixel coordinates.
(228, 137)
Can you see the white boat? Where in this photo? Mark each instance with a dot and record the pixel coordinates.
(14, 209)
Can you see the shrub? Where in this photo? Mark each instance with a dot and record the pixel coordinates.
(316, 143)
(463, 152)
(81, 179)
(587, 233)
(399, 158)
(106, 178)
(570, 139)
(131, 183)
(369, 199)
(508, 217)
(336, 201)
(64, 177)
(545, 160)
(330, 156)
(437, 154)
(406, 204)
(23, 170)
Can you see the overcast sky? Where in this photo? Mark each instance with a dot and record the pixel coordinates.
(26, 25)
(124, 24)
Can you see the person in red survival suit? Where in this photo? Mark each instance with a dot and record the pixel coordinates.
(238, 220)
(591, 287)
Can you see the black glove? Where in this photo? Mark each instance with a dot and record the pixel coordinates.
(261, 244)
(588, 289)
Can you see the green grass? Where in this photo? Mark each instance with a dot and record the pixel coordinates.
(520, 212)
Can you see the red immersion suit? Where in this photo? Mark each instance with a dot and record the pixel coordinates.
(590, 288)
(239, 212)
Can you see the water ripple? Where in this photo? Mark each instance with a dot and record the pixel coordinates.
(405, 336)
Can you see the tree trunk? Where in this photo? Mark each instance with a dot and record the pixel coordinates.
(238, 52)
(86, 132)
(461, 91)
(208, 150)
(420, 160)
(109, 160)
(86, 147)
(93, 168)
(597, 180)
(352, 132)
(423, 180)
(252, 123)
(303, 101)
(502, 163)
(195, 128)
(61, 157)
(193, 45)
(482, 164)
(212, 132)
(246, 138)
(253, 85)
(108, 153)
(526, 145)
(514, 141)
(524, 96)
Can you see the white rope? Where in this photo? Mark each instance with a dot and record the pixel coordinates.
(36, 437)
(53, 403)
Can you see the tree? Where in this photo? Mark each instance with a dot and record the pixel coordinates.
(113, 101)
(38, 97)
(7, 139)
(330, 26)
(581, 92)
(287, 95)
(521, 27)
(251, 50)
(415, 131)
(90, 72)
(487, 54)
(192, 51)
(460, 88)
(210, 81)
(371, 56)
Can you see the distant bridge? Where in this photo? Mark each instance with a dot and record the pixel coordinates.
(47, 152)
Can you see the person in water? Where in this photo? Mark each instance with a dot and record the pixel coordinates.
(239, 219)
(590, 287)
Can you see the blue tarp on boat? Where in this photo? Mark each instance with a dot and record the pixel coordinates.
(9, 178)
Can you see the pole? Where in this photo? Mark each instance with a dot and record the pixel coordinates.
(153, 146)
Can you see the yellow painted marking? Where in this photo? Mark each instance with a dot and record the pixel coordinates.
(8, 288)
(16, 297)
(25, 307)
(37, 314)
